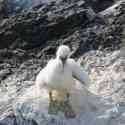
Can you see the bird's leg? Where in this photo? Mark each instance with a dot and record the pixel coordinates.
(67, 97)
(50, 96)
(52, 104)
(69, 112)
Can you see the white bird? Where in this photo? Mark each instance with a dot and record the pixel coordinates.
(60, 74)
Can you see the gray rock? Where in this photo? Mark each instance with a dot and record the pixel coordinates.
(28, 40)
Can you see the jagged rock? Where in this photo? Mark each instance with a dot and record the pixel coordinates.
(34, 28)
(35, 32)
(4, 74)
(107, 71)
(64, 19)
(102, 4)
(16, 6)
(3, 9)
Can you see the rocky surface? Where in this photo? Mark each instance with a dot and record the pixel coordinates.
(26, 30)
(12, 7)
(3, 9)
(36, 27)
(106, 72)
(29, 39)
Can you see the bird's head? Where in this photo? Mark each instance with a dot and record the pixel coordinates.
(63, 53)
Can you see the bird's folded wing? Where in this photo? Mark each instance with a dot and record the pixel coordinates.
(79, 74)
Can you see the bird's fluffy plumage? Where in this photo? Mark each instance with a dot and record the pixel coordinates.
(59, 77)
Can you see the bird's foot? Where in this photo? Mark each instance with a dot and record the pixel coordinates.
(64, 106)
(70, 113)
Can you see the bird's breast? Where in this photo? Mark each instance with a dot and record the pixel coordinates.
(60, 80)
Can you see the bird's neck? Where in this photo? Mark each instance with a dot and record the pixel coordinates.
(62, 61)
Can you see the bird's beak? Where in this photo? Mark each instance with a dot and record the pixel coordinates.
(63, 59)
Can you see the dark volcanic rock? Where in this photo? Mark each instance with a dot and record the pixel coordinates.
(16, 6)
(3, 9)
(34, 28)
(99, 5)
(56, 23)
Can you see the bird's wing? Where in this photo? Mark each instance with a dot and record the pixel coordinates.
(42, 77)
(79, 73)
